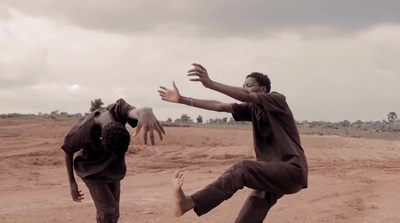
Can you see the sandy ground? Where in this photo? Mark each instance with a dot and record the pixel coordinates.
(350, 179)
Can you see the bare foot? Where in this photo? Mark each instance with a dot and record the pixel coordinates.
(183, 203)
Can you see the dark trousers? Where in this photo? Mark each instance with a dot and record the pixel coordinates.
(106, 199)
(269, 181)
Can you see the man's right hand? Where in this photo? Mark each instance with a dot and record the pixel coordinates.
(75, 192)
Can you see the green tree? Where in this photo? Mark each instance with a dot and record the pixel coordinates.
(199, 119)
(392, 117)
(97, 103)
(344, 123)
(186, 118)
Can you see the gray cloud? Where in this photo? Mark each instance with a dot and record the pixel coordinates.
(4, 13)
(27, 70)
(334, 60)
(213, 18)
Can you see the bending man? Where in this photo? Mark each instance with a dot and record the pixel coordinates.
(101, 141)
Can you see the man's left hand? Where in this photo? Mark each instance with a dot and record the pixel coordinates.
(148, 121)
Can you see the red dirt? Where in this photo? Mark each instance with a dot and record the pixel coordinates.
(350, 179)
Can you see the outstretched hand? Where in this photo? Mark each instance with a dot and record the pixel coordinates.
(149, 123)
(169, 95)
(201, 73)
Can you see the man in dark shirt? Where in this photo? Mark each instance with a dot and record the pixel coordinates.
(281, 166)
(101, 141)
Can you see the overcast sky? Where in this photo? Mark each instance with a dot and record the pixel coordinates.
(334, 60)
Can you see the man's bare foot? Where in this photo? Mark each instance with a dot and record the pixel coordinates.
(183, 203)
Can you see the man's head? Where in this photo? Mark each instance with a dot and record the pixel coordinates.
(115, 138)
(257, 82)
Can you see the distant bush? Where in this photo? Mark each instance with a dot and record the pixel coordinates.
(169, 124)
(54, 116)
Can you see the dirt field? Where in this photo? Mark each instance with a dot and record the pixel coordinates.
(350, 179)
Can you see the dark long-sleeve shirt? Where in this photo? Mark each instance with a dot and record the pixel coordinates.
(93, 163)
(276, 138)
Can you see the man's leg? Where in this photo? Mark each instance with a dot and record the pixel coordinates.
(115, 189)
(105, 202)
(257, 206)
(262, 176)
(182, 203)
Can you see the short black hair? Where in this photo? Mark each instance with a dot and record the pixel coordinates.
(115, 138)
(262, 79)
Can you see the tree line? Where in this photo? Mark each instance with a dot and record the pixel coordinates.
(392, 118)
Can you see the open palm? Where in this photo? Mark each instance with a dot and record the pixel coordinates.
(168, 94)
